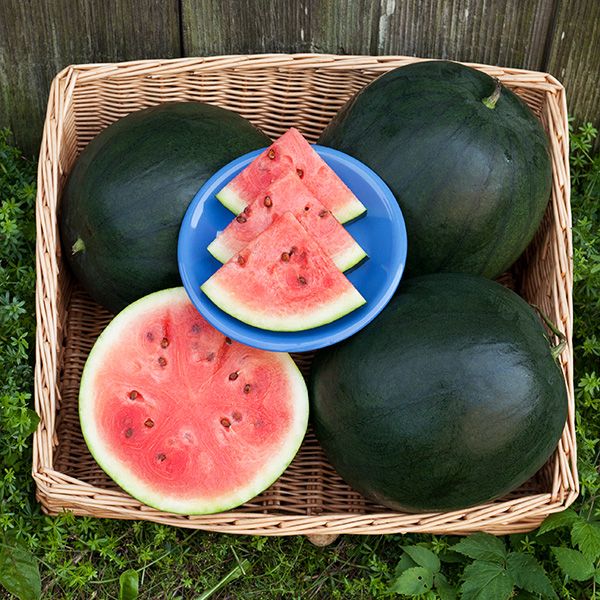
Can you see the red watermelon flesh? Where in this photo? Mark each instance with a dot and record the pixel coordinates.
(292, 152)
(283, 281)
(288, 193)
(183, 418)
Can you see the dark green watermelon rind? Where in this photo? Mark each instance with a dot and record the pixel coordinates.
(130, 187)
(449, 160)
(125, 477)
(412, 410)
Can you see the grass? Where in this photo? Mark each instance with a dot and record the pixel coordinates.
(68, 557)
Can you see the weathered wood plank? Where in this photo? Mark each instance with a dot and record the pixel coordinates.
(213, 27)
(574, 56)
(508, 33)
(38, 39)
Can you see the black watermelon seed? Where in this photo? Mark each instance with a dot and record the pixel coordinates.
(161, 457)
(164, 342)
(247, 388)
(225, 422)
(233, 376)
(149, 423)
(133, 394)
(162, 361)
(302, 280)
(128, 432)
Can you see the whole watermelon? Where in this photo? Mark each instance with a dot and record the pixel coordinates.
(450, 398)
(129, 189)
(471, 173)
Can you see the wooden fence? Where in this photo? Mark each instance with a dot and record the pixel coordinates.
(39, 37)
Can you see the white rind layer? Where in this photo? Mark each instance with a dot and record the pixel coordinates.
(352, 210)
(343, 304)
(348, 259)
(219, 250)
(230, 200)
(126, 477)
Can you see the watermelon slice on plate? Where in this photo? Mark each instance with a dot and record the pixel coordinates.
(183, 418)
(288, 193)
(283, 281)
(292, 152)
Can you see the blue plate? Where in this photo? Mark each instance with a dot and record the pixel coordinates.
(381, 233)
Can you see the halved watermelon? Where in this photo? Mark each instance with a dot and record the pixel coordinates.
(182, 417)
(283, 281)
(292, 151)
(288, 193)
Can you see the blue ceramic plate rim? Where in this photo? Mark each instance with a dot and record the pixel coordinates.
(297, 341)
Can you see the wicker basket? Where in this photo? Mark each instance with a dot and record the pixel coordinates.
(274, 92)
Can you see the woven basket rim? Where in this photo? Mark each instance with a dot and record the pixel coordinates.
(50, 484)
(287, 58)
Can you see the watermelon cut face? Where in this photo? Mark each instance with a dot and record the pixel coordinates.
(283, 281)
(183, 418)
(289, 193)
(292, 152)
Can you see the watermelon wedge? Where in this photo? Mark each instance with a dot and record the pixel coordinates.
(182, 417)
(283, 281)
(288, 193)
(292, 151)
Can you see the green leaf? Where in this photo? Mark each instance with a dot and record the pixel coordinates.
(34, 421)
(486, 581)
(405, 562)
(525, 595)
(482, 546)
(414, 581)
(129, 585)
(19, 572)
(423, 557)
(566, 518)
(574, 563)
(586, 536)
(444, 589)
(527, 573)
(450, 556)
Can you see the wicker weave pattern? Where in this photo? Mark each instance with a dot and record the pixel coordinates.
(274, 92)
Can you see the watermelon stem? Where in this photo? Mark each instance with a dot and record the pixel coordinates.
(556, 351)
(558, 348)
(78, 246)
(490, 101)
